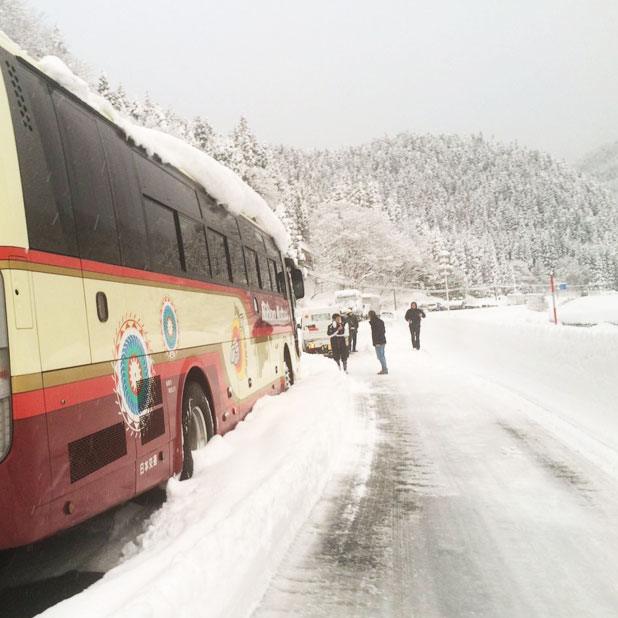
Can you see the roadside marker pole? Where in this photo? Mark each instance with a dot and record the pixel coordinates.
(553, 297)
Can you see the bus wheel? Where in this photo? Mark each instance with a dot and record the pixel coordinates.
(197, 426)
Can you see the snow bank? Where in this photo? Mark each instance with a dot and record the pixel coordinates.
(566, 370)
(588, 310)
(221, 183)
(213, 546)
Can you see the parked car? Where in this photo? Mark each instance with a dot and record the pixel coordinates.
(314, 323)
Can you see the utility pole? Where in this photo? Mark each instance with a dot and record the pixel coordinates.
(395, 299)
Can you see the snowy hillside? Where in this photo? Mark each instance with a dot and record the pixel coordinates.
(602, 164)
(503, 212)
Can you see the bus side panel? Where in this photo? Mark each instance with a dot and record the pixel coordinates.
(215, 375)
(23, 336)
(25, 476)
(113, 488)
(142, 304)
(270, 326)
(25, 484)
(88, 440)
(63, 331)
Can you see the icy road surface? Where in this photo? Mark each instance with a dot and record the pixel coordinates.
(477, 479)
(469, 506)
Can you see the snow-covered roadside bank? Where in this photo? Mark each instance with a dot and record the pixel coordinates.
(567, 371)
(211, 549)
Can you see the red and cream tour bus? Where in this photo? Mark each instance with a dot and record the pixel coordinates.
(138, 317)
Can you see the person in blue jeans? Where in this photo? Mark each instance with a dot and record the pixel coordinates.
(378, 337)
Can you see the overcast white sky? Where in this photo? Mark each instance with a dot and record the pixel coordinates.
(326, 73)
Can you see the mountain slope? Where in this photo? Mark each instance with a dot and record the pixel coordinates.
(503, 212)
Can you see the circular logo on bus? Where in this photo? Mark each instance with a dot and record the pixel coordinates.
(238, 351)
(169, 324)
(132, 372)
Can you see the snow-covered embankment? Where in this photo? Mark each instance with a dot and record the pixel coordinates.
(211, 549)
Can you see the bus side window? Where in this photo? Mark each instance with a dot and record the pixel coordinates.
(264, 273)
(272, 271)
(163, 236)
(128, 206)
(90, 191)
(194, 246)
(217, 245)
(252, 268)
(163, 186)
(280, 280)
(239, 274)
(49, 215)
(262, 269)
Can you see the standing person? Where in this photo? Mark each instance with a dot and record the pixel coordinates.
(413, 317)
(338, 333)
(352, 321)
(378, 337)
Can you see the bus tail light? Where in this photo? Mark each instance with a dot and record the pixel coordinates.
(6, 421)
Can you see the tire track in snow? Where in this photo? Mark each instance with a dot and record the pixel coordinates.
(359, 533)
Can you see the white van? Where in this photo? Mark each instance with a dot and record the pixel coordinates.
(314, 322)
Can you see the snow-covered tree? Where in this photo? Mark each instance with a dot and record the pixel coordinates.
(119, 99)
(363, 246)
(202, 134)
(30, 30)
(103, 87)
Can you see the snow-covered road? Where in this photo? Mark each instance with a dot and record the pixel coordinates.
(470, 506)
(477, 479)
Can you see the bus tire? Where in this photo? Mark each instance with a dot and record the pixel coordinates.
(197, 425)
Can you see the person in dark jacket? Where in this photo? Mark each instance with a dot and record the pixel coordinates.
(378, 338)
(338, 333)
(413, 318)
(352, 322)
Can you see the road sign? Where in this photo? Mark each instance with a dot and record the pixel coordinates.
(562, 286)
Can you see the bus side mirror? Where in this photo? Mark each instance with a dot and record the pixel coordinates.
(298, 285)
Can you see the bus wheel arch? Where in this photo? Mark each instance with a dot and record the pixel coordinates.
(288, 368)
(197, 418)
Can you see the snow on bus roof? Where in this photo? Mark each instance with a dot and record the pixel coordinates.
(220, 182)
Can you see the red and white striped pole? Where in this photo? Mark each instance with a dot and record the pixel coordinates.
(553, 297)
